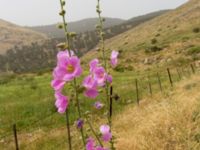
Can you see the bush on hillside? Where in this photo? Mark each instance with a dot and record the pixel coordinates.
(196, 30)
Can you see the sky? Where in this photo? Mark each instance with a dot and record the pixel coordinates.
(43, 12)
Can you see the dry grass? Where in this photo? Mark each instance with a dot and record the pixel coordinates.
(11, 35)
(164, 123)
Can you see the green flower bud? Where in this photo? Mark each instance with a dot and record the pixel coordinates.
(62, 13)
(72, 34)
(63, 3)
(103, 19)
(60, 26)
(61, 45)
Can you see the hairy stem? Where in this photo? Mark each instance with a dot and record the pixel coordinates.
(101, 33)
(93, 131)
(67, 38)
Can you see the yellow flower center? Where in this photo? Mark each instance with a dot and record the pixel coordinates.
(70, 68)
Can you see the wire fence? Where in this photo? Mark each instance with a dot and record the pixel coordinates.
(143, 85)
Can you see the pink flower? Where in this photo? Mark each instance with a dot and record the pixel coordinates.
(113, 58)
(57, 84)
(90, 145)
(63, 55)
(106, 134)
(91, 93)
(61, 102)
(67, 69)
(109, 78)
(89, 82)
(98, 105)
(93, 64)
(91, 87)
(100, 76)
(101, 148)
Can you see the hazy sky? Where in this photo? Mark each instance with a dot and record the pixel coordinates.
(41, 12)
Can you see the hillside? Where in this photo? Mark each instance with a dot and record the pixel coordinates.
(31, 58)
(164, 122)
(77, 26)
(172, 38)
(13, 35)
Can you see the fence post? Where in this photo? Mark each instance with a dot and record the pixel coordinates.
(159, 81)
(170, 78)
(150, 87)
(192, 67)
(179, 74)
(15, 137)
(137, 91)
(111, 100)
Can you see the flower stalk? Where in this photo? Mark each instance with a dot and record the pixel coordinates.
(67, 42)
(93, 131)
(100, 28)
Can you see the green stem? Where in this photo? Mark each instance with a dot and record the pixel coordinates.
(68, 130)
(79, 110)
(105, 66)
(92, 129)
(65, 28)
(67, 38)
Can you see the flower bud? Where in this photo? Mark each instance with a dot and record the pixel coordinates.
(60, 26)
(63, 3)
(72, 34)
(103, 19)
(61, 45)
(62, 13)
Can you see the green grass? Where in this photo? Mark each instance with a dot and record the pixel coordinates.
(28, 101)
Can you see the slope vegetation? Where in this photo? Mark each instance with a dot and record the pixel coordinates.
(172, 38)
(13, 35)
(169, 121)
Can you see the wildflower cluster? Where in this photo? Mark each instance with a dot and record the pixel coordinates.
(67, 70)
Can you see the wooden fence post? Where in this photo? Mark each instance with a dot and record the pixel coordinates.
(159, 82)
(170, 78)
(137, 91)
(150, 87)
(111, 100)
(179, 74)
(15, 136)
(192, 67)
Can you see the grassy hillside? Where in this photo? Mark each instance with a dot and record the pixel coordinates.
(77, 26)
(167, 119)
(168, 122)
(173, 38)
(13, 35)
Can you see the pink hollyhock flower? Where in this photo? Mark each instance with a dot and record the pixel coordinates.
(61, 102)
(91, 93)
(106, 134)
(63, 55)
(67, 69)
(90, 145)
(93, 64)
(91, 86)
(89, 82)
(113, 58)
(57, 84)
(109, 78)
(98, 105)
(101, 148)
(100, 76)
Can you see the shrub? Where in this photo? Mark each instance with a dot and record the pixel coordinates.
(155, 48)
(193, 50)
(119, 68)
(196, 30)
(153, 41)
